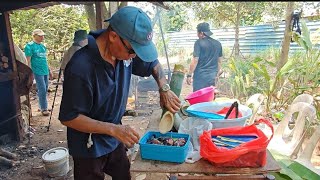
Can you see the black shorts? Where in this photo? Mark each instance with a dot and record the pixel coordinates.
(116, 164)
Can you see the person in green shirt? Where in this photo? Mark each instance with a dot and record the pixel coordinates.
(36, 54)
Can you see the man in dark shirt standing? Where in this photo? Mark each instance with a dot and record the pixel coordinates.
(95, 93)
(207, 56)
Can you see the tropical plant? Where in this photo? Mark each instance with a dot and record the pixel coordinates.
(240, 79)
(160, 46)
(259, 75)
(274, 84)
(307, 76)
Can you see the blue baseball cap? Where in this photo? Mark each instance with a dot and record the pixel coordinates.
(134, 25)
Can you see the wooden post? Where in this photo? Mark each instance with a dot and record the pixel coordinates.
(113, 7)
(91, 16)
(16, 98)
(99, 15)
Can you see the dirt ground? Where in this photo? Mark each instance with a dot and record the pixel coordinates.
(30, 150)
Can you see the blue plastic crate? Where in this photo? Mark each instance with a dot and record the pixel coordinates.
(164, 152)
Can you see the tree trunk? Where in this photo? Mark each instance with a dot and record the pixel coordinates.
(123, 4)
(99, 15)
(105, 15)
(91, 16)
(113, 7)
(236, 42)
(287, 37)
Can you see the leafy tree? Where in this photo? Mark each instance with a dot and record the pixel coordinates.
(59, 22)
(176, 18)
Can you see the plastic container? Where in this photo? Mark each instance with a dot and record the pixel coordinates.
(56, 161)
(251, 153)
(202, 95)
(163, 152)
(215, 107)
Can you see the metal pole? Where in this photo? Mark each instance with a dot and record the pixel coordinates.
(29, 116)
(54, 98)
(165, 47)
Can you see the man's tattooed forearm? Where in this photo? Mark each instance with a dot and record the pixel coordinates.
(158, 72)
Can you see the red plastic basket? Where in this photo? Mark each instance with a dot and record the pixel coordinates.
(249, 154)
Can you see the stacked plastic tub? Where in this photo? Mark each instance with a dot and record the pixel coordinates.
(202, 103)
(215, 107)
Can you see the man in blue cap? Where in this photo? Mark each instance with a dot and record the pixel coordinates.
(95, 93)
(206, 62)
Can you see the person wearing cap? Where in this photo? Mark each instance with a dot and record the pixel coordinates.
(79, 40)
(95, 93)
(206, 62)
(36, 54)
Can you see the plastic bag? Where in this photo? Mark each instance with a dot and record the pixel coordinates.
(248, 154)
(194, 127)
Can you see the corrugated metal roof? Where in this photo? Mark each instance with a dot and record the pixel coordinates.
(15, 5)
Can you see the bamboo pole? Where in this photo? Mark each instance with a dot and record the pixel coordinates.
(167, 118)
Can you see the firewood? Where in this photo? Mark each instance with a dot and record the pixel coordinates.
(6, 162)
(7, 154)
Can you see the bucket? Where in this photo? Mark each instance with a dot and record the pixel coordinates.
(56, 161)
(202, 95)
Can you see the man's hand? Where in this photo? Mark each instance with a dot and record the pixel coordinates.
(170, 100)
(189, 80)
(126, 135)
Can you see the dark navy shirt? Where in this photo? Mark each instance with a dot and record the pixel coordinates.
(208, 51)
(93, 87)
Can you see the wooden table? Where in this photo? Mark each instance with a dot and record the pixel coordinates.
(201, 166)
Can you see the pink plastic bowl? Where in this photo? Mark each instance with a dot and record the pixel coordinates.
(202, 95)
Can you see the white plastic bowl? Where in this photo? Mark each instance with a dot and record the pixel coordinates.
(217, 106)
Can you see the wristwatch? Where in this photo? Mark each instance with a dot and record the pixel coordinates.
(165, 88)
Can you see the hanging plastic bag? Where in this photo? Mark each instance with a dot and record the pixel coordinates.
(194, 127)
(248, 154)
